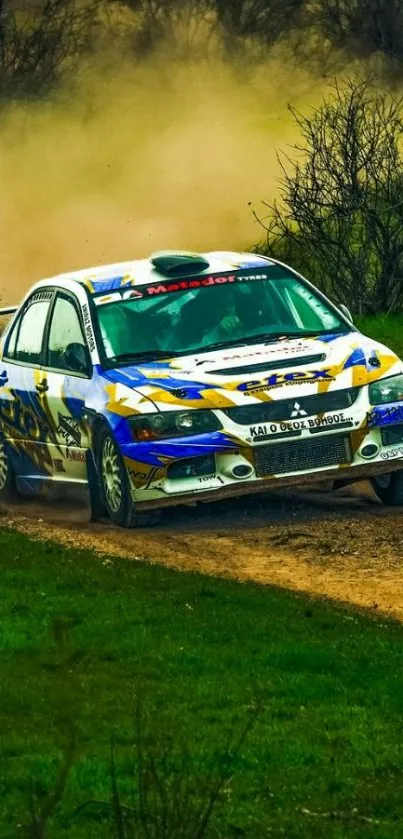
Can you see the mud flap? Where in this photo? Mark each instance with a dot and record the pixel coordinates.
(97, 509)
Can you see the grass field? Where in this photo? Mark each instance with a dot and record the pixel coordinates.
(170, 668)
(385, 328)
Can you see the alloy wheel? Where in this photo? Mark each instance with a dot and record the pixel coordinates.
(111, 475)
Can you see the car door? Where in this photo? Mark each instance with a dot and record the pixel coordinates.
(66, 389)
(24, 421)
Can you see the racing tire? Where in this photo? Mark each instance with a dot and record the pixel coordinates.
(13, 488)
(389, 488)
(114, 486)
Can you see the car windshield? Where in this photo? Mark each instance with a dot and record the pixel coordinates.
(185, 316)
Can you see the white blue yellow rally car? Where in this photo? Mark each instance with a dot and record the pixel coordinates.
(188, 377)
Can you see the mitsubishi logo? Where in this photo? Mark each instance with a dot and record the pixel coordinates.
(298, 411)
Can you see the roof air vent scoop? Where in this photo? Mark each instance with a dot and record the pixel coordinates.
(174, 263)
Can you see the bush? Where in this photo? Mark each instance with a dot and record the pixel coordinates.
(340, 214)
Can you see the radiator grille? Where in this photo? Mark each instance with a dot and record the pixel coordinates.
(301, 455)
(282, 409)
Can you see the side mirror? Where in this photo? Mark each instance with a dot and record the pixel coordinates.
(346, 312)
(76, 358)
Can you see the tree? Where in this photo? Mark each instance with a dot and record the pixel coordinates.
(363, 27)
(198, 22)
(340, 214)
(264, 20)
(38, 39)
(186, 27)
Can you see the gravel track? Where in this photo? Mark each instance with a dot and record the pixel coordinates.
(344, 546)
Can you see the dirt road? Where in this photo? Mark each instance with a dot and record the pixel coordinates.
(349, 548)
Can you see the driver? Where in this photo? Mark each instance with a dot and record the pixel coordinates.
(221, 313)
(209, 317)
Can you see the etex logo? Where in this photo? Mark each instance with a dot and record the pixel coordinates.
(278, 379)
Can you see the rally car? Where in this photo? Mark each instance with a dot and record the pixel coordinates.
(190, 377)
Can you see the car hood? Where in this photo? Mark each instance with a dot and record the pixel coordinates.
(259, 372)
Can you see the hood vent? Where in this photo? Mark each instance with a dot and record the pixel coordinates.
(178, 263)
(269, 365)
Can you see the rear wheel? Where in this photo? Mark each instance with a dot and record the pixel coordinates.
(114, 481)
(13, 487)
(389, 488)
(7, 482)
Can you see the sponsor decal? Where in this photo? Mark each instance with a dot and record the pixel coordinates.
(243, 279)
(133, 294)
(58, 464)
(201, 282)
(24, 421)
(388, 415)
(323, 422)
(3, 378)
(268, 429)
(140, 475)
(393, 453)
(107, 298)
(251, 262)
(70, 430)
(110, 283)
(77, 455)
(186, 285)
(88, 327)
(278, 379)
(295, 349)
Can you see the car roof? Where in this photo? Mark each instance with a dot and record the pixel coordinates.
(107, 278)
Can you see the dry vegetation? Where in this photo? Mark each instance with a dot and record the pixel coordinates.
(158, 122)
(41, 39)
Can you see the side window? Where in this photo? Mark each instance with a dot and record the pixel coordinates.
(25, 342)
(65, 329)
(12, 339)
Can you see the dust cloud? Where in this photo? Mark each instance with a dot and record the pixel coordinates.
(146, 156)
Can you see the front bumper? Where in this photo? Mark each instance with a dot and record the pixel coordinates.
(347, 455)
(253, 487)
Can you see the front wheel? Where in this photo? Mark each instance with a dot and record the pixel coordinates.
(114, 482)
(389, 488)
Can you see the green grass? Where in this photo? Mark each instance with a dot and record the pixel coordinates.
(84, 644)
(388, 329)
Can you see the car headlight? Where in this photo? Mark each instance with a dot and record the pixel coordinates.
(386, 390)
(173, 424)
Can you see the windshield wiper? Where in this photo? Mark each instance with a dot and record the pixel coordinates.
(147, 355)
(261, 338)
(267, 338)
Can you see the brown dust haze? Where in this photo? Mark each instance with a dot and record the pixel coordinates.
(161, 155)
